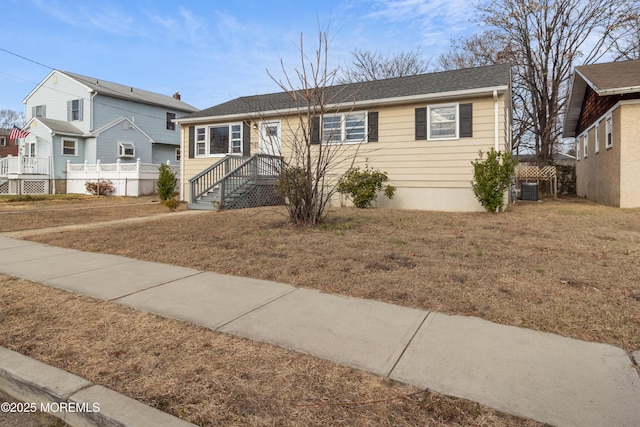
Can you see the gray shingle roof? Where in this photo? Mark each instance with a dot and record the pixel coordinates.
(59, 126)
(422, 84)
(116, 90)
(624, 76)
(606, 79)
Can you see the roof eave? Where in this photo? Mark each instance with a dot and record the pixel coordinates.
(574, 105)
(365, 103)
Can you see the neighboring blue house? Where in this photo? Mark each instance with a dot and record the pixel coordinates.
(75, 118)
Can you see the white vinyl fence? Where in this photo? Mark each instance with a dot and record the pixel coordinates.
(128, 179)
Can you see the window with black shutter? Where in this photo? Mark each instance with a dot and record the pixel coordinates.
(466, 120)
(315, 130)
(192, 142)
(373, 127)
(421, 123)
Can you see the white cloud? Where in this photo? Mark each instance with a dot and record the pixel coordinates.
(433, 23)
(102, 15)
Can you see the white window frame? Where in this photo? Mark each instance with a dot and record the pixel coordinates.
(75, 147)
(269, 142)
(3, 141)
(578, 148)
(171, 125)
(456, 122)
(608, 131)
(123, 147)
(40, 111)
(75, 115)
(585, 144)
(203, 142)
(333, 137)
(596, 130)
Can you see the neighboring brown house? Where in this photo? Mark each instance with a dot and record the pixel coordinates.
(8, 147)
(603, 115)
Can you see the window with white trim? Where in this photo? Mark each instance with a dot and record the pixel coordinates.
(177, 155)
(69, 147)
(585, 145)
(170, 123)
(126, 149)
(609, 132)
(74, 110)
(39, 111)
(201, 141)
(219, 139)
(578, 148)
(442, 121)
(3, 141)
(596, 134)
(350, 128)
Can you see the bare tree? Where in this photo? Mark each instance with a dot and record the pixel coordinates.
(486, 48)
(310, 174)
(547, 39)
(626, 45)
(9, 118)
(543, 40)
(368, 65)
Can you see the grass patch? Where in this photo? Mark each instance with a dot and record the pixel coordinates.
(213, 379)
(416, 258)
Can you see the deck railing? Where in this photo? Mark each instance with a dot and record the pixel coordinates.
(261, 166)
(232, 173)
(209, 178)
(23, 165)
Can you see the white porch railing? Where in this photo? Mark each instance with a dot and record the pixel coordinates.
(128, 179)
(23, 165)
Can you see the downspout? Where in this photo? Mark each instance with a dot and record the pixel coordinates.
(496, 110)
(182, 154)
(93, 95)
(52, 172)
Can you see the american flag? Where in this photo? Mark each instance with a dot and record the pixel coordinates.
(16, 133)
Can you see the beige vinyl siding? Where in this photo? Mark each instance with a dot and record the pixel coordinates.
(428, 174)
(628, 129)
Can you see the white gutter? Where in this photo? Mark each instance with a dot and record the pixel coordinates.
(496, 110)
(366, 103)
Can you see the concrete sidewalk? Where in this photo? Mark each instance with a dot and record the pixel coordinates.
(531, 374)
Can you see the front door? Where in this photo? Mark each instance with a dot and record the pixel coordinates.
(29, 160)
(270, 138)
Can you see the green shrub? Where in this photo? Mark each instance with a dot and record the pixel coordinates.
(363, 186)
(167, 183)
(102, 188)
(171, 203)
(491, 178)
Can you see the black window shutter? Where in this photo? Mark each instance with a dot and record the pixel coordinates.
(421, 123)
(246, 139)
(373, 126)
(192, 141)
(315, 130)
(466, 120)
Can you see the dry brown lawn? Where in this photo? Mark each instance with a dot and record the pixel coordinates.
(55, 212)
(568, 266)
(209, 378)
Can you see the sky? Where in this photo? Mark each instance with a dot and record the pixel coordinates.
(208, 51)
